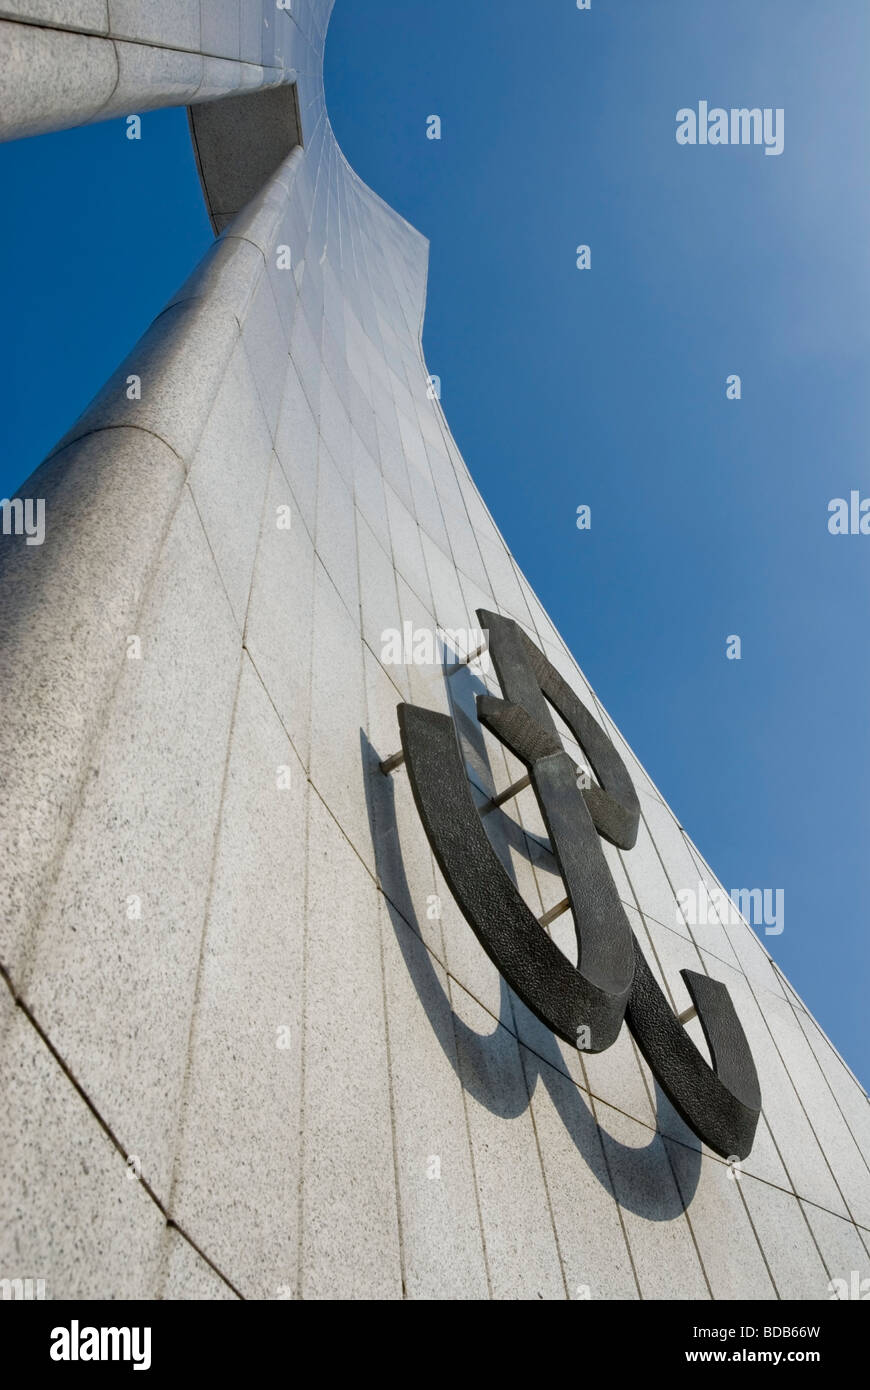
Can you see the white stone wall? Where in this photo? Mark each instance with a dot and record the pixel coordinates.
(298, 915)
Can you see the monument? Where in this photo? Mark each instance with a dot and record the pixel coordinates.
(337, 965)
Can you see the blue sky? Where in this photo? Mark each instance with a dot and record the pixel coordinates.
(606, 387)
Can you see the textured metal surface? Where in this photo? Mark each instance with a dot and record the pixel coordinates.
(509, 932)
(530, 680)
(584, 1005)
(721, 1104)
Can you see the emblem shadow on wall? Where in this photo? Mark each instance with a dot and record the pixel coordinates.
(498, 1057)
(584, 1005)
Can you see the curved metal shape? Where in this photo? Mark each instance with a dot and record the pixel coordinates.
(612, 979)
(721, 1104)
(528, 679)
(529, 960)
(605, 957)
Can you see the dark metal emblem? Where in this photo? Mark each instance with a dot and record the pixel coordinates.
(584, 1005)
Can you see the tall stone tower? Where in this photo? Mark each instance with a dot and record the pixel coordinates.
(251, 1046)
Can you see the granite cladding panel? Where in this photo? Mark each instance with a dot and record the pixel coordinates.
(225, 920)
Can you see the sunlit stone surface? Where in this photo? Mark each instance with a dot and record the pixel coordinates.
(240, 976)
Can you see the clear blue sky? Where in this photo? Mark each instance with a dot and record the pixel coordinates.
(606, 387)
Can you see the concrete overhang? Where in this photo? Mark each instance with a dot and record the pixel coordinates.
(239, 142)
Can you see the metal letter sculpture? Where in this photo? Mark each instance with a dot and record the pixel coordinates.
(584, 1005)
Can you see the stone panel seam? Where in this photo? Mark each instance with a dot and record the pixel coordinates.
(216, 842)
(300, 1210)
(693, 848)
(652, 946)
(802, 1106)
(788, 1074)
(77, 1086)
(542, 1166)
(443, 962)
(593, 1105)
(298, 514)
(589, 1090)
(452, 454)
(110, 37)
(386, 671)
(828, 1084)
(825, 1265)
(595, 1102)
(271, 423)
(686, 1205)
(455, 456)
(63, 845)
(381, 930)
(58, 26)
(73, 438)
(90, 746)
(791, 1192)
(831, 1090)
(358, 515)
(758, 1240)
(394, 1148)
(261, 530)
(544, 845)
(672, 1169)
(670, 883)
(646, 1083)
(513, 1030)
(371, 196)
(408, 474)
(174, 48)
(290, 738)
(464, 1095)
(326, 574)
(206, 913)
(107, 103)
(645, 1080)
(451, 554)
(240, 236)
(238, 626)
(797, 1005)
(594, 1094)
(104, 39)
(92, 743)
(300, 1223)
(845, 1065)
(289, 15)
